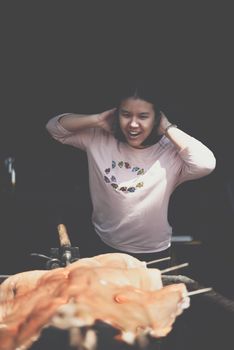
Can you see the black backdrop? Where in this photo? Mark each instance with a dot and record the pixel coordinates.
(74, 56)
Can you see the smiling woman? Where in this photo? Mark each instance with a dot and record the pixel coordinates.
(138, 115)
(136, 159)
(137, 119)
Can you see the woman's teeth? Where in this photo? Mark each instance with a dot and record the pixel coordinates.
(133, 133)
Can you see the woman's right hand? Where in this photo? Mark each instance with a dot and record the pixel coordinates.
(106, 120)
(163, 124)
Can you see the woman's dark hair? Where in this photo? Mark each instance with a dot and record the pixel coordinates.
(145, 93)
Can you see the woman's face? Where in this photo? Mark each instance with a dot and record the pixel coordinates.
(137, 119)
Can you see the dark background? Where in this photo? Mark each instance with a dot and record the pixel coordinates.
(75, 56)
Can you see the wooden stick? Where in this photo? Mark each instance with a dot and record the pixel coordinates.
(158, 260)
(63, 235)
(174, 267)
(203, 290)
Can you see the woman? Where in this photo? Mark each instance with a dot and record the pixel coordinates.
(136, 159)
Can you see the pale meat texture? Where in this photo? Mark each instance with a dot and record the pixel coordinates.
(117, 289)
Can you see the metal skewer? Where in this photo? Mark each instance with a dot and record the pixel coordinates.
(199, 291)
(174, 267)
(157, 260)
(3, 278)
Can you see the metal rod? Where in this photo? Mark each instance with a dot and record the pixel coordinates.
(199, 291)
(174, 267)
(158, 260)
(5, 276)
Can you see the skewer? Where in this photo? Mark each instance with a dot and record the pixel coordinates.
(157, 260)
(174, 267)
(5, 276)
(203, 290)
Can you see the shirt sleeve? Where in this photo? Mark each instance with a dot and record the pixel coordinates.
(197, 161)
(80, 139)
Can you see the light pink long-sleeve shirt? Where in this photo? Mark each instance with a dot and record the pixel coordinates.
(130, 188)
